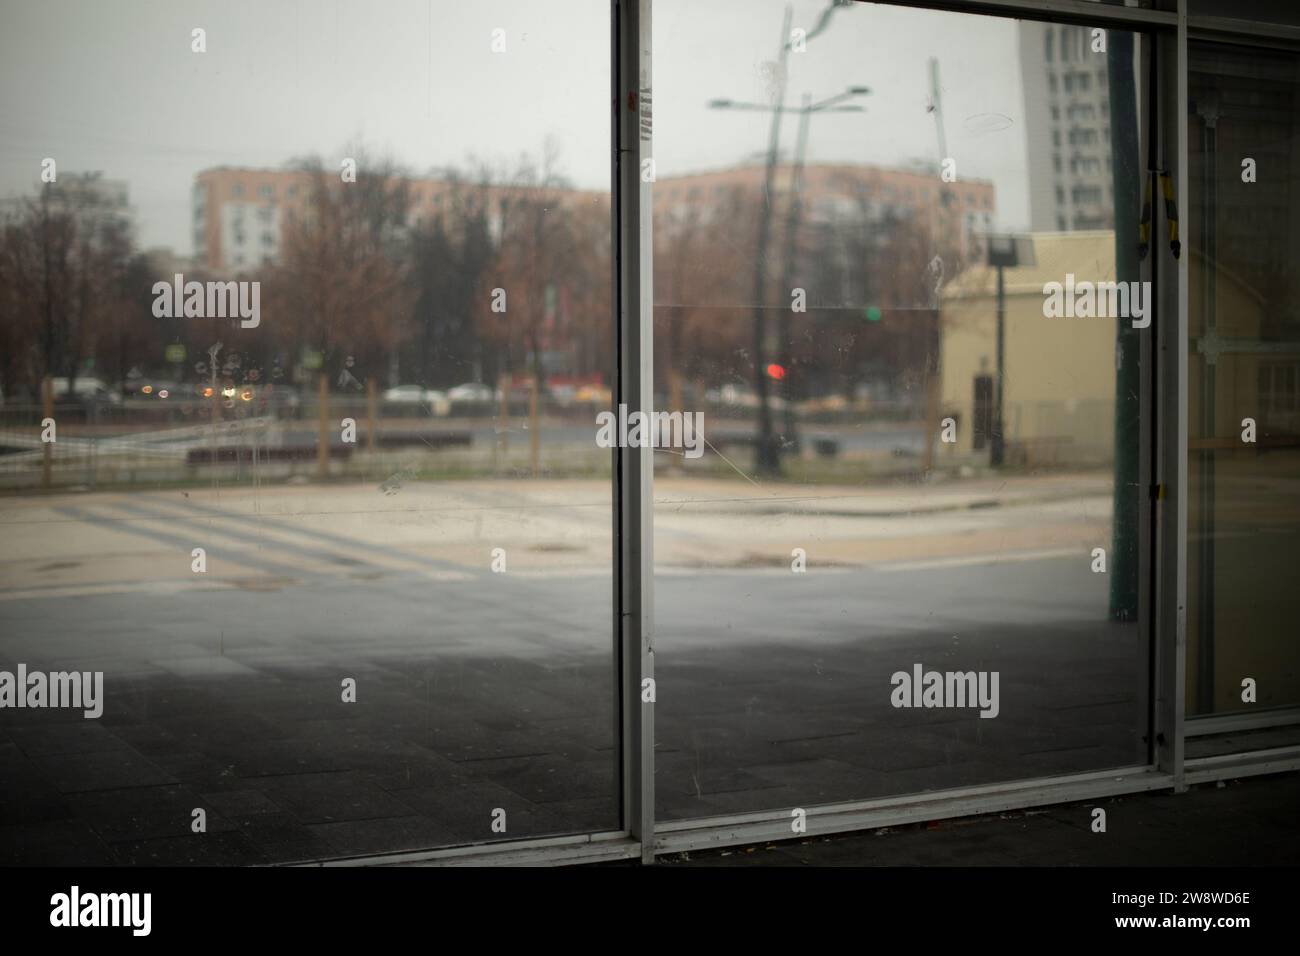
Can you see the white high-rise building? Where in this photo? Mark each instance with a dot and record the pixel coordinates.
(1067, 114)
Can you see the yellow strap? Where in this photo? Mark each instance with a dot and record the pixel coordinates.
(1171, 213)
(1144, 227)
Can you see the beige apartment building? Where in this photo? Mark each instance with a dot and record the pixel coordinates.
(240, 214)
(833, 191)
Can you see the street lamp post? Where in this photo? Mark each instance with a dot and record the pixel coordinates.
(795, 211)
(769, 449)
(768, 457)
(1004, 251)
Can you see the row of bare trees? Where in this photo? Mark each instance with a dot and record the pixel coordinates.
(377, 293)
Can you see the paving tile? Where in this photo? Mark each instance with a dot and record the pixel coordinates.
(86, 736)
(239, 804)
(230, 848)
(143, 813)
(330, 798)
(468, 811)
(552, 779)
(25, 795)
(280, 838)
(105, 770)
(387, 835)
(53, 843)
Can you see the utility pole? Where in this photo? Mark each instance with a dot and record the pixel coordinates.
(998, 452)
(767, 459)
(793, 214)
(1004, 252)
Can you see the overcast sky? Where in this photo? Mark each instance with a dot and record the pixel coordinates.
(114, 87)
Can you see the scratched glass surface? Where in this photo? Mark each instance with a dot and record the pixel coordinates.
(1243, 443)
(304, 322)
(872, 576)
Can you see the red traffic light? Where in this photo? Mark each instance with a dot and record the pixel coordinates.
(776, 371)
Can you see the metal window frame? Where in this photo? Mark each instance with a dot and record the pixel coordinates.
(1243, 32)
(773, 825)
(1213, 724)
(1240, 34)
(632, 131)
(1082, 12)
(1169, 483)
(1160, 619)
(641, 838)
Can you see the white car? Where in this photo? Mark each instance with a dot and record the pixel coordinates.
(86, 388)
(472, 392)
(404, 395)
(435, 401)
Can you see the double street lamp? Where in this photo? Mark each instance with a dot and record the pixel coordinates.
(768, 457)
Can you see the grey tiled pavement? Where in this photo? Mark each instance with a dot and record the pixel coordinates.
(435, 742)
(479, 691)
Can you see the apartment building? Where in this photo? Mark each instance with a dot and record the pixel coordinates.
(837, 191)
(1067, 116)
(240, 214)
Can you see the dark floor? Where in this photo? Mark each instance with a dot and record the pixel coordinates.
(433, 746)
(498, 694)
(1248, 822)
(479, 692)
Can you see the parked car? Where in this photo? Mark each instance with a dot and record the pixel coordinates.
(472, 392)
(741, 396)
(85, 389)
(594, 395)
(404, 395)
(436, 402)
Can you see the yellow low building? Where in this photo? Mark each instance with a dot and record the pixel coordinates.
(1060, 371)
(1059, 380)
(1059, 411)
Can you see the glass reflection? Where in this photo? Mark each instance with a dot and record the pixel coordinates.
(319, 328)
(1244, 359)
(920, 493)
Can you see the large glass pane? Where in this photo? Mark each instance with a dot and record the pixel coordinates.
(874, 503)
(336, 535)
(1244, 380)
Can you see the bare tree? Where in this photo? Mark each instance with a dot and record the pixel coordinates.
(342, 282)
(63, 262)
